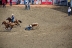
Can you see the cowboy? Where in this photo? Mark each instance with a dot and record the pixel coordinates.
(32, 26)
(10, 2)
(12, 17)
(69, 11)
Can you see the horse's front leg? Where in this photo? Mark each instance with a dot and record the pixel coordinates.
(5, 28)
(19, 24)
(11, 27)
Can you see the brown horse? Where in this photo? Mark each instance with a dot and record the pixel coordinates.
(8, 24)
(16, 21)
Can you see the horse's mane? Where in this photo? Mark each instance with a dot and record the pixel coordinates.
(8, 18)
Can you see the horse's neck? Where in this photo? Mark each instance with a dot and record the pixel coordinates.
(5, 24)
(9, 19)
(16, 20)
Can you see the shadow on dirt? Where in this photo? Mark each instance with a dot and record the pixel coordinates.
(6, 31)
(63, 9)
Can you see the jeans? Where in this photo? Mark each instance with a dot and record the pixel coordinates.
(28, 28)
(4, 5)
(69, 13)
(27, 7)
(10, 3)
(32, 2)
(12, 20)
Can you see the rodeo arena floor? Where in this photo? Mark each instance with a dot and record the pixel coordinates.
(54, 30)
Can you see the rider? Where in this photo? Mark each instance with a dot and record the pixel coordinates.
(12, 17)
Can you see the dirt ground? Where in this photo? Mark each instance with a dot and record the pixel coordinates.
(55, 28)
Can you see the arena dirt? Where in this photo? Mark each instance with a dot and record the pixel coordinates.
(55, 28)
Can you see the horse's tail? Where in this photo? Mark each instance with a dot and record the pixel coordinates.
(20, 21)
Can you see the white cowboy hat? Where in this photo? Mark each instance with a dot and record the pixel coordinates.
(12, 14)
(30, 25)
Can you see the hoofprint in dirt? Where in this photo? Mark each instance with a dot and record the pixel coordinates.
(55, 29)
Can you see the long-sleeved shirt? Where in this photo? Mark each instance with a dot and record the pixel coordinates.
(69, 10)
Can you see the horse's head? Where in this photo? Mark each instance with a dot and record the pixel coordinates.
(4, 22)
(8, 18)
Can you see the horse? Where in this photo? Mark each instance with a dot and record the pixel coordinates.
(8, 24)
(16, 21)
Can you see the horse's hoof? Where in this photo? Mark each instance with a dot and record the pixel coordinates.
(10, 29)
